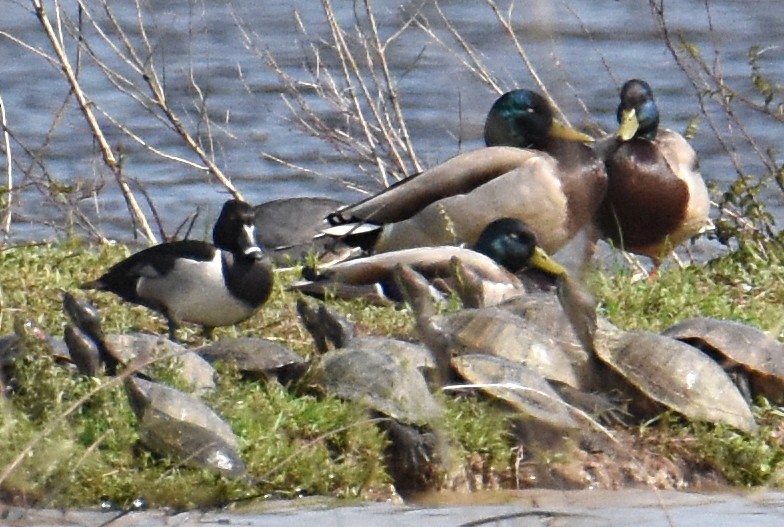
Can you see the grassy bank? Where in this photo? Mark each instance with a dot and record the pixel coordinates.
(299, 441)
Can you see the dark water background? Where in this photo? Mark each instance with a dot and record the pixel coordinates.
(581, 48)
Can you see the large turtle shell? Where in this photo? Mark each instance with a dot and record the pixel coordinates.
(675, 375)
(736, 345)
(176, 424)
(498, 332)
(391, 387)
(517, 385)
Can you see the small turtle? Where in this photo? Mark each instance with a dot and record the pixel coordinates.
(84, 351)
(143, 348)
(754, 360)
(326, 326)
(256, 357)
(87, 320)
(179, 425)
(380, 372)
(670, 373)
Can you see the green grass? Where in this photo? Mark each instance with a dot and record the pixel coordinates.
(298, 441)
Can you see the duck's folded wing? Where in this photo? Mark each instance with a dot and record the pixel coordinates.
(160, 259)
(459, 175)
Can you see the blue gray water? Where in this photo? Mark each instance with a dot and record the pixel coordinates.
(583, 50)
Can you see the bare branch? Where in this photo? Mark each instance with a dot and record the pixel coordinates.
(84, 106)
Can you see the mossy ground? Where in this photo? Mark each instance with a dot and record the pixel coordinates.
(296, 441)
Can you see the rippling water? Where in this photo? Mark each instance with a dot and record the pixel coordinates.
(581, 48)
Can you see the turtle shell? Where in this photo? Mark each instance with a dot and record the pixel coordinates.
(255, 356)
(144, 347)
(405, 352)
(498, 332)
(735, 346)
(517, 385)
(386, 385)
(176, 424)
(675, 375)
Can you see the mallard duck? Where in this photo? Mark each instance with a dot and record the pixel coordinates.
(505, 247)
(534, 169)
(195, 281)
(656, 198)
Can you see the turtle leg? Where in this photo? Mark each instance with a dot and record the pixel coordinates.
(207, 332)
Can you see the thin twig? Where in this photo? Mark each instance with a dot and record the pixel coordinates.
(9, 171)
(84, 106)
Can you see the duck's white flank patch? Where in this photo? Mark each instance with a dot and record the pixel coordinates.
(194, 291)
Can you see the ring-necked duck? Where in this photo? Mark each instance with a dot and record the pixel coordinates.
(195, 281)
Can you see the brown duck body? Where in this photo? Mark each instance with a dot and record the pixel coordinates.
(655, 194)
(656, 197)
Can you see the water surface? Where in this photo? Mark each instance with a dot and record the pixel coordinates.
(582, 49)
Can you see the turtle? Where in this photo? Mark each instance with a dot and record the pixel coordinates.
(754, 360)
(517, 385)
(368, 370)
(375, 373)
(143, 348)
(83, 350)
(326, 326)
(119, 350)
(176, 424)
(256, 357)
(495, 331)
(659, 371)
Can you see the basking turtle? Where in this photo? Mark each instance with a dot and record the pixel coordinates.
(143, 348)
(754, 360)
(83, 350)
(518, 386)
(384, 376)
(493, 331)
(327, 327)
(176, 424)
(383, 373)
(256, 357)
(119, 350)
(664, 372)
